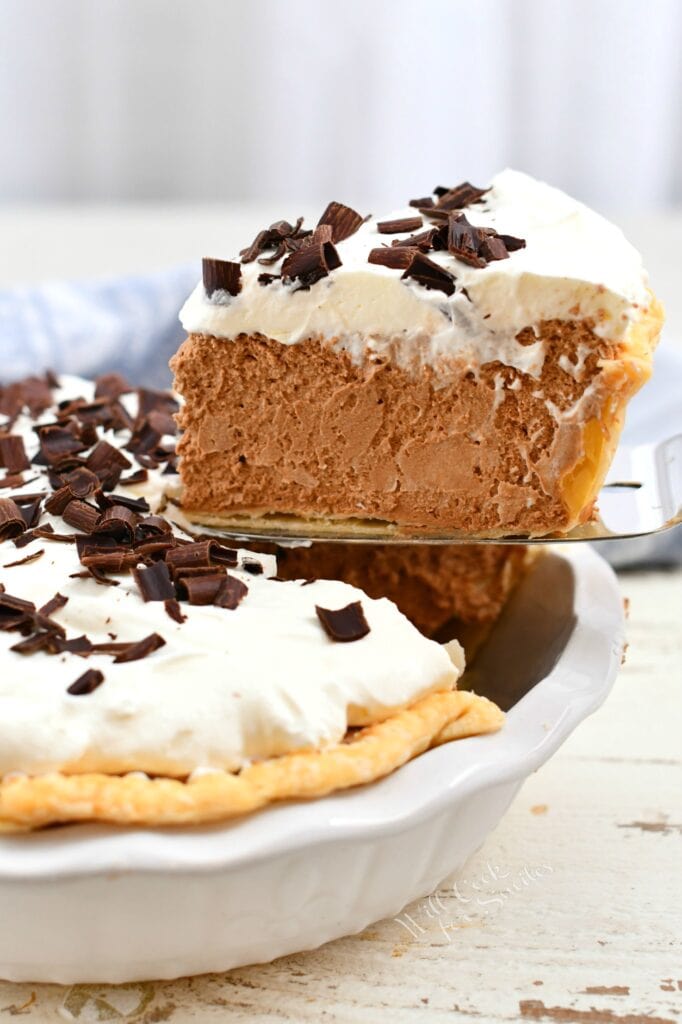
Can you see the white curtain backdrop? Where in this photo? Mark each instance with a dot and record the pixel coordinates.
(368, 101)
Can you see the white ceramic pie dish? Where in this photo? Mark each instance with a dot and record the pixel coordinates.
(97, 903)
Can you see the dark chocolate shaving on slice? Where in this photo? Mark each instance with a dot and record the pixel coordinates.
(118, 522)
(119, 560)
(432, 238)
(202, 554)
(13, 454)
(11, 520)
(430, 274)
(457, 198)
(221, 275)
(53, 605)
(265, 279)
(273, 238)
(201, 589)
(15, 613)
(397, 257)
(82, 482)
(81, 516)
(140, 506)
(154, 582)
(394, 227)
(512, 243)
(230, 592)
(107, 463)
(33, 557)
(343, 220)
(465, 241)
(86, 683)
(252, 566)
(79, 645)
(141, 649)
(57, 502)
(344, 624)
(56, 443)
(174, 611)
(313, 260)
(111, 385)
(423, 204)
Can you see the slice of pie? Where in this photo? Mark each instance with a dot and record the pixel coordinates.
(463, 364)
(153, 675)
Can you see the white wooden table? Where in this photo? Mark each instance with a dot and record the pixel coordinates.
(572, 911)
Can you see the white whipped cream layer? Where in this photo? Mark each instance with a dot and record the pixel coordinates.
(229, 686)
(576, 265)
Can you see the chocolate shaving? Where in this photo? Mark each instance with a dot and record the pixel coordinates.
(221, 275)
(92, 573)
(201, 589)
(137, 505)
(423, 204)
(111, 385)
(32, 644)
(47, 532)
(230, 592)
(343, 220)
(430, 274)
(29, 506)
(154, 582)
(33, 557)
(107, 463)
(15, 613)
(344, 624)
(12, 480)
(13, 454)
(57, 502)
(53, 605)
(252, 566)
(465, 241)
(313, 260)
(200, 554)
(140, 476)
(86, 683)
(141, 649)
(11, 520)
(174, 611)
(432, 238)
(81, 516)
(82, 482)
(394, 227)
(119, 560)
(457, 198)
(512, 243)
(56, 443)
(79, 645)
(265, 279)
(119, 522)
(272, 238)
(395, 257)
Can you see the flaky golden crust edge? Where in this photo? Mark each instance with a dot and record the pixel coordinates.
(33, 802)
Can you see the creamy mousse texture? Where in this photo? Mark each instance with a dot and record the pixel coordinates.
(129, 643)
(463, 363)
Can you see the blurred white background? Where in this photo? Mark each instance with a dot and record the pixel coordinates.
(365, 100)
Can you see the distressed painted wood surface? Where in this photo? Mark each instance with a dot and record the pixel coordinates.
(571, 912)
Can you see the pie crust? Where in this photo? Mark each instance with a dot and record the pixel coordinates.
(366, 755)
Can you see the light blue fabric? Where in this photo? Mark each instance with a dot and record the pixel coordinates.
(128, 324)
(131, 324)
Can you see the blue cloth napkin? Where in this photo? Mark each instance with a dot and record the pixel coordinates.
(130, 324)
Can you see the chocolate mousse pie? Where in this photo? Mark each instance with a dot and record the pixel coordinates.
(152, 674)
(462, 364)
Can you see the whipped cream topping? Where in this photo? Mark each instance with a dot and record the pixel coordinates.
(576, 265)
(229, 686)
